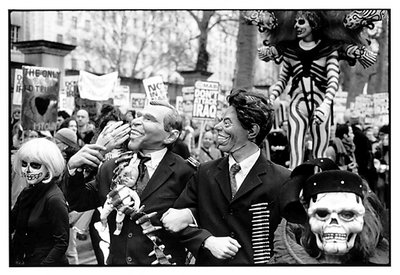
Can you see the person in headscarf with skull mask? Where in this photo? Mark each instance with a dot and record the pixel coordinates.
(39, 222)
(331, 218)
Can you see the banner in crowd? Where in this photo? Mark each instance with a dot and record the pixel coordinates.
(381, 108)
(96, 87)
(40, 98)
(17, 95)
(187, 100)
(155, 88)
(68, 93)
(138, 100)
(364, 105)
(121, 96)
(205, 99)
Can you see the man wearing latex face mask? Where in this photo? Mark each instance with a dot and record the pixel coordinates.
(39, 222)
(341, 224)
(233, 198)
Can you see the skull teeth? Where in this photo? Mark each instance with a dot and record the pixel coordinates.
(334, 236)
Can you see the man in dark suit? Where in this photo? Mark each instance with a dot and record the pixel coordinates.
(237, 211)
(152, 134)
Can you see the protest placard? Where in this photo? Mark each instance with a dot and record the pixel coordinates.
(205, 99)
(40, 90)
(187, 100)
(121, 96)
(138, 100)
(17, 95)
(155, 88)
(68, 93)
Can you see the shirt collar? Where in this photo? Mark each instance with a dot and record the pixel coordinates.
(156, 157)
(246, 164)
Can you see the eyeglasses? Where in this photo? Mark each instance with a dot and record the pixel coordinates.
(34, 165)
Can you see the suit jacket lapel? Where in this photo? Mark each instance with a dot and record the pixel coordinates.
(160, 176)
(222, 178)
(253, 178)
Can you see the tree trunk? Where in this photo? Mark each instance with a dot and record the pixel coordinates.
(245, 56)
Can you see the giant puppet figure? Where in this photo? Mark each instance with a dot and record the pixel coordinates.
(309, 44)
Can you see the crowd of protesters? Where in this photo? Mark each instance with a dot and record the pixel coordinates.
(179, 149)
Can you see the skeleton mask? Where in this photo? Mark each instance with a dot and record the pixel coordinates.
(336, 219)
(34, 172)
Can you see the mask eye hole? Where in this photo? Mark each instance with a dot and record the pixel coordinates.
(322, 213)
(347, 215)
(24, 163)
(36, 165)
(301, 21)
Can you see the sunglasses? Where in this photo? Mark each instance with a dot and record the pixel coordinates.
(34, 165)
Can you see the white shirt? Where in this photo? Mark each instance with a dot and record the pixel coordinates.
(245, 166)
(156, 158)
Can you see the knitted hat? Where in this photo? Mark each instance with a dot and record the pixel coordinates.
(67, 136)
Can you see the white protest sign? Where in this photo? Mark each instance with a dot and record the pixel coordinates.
(96, 87)
(68, 92)
(187, 98)
(155, 88)
(205, 100)
(17, 96)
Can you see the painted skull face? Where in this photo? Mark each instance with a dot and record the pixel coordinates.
(33, 172)
(303, 28)
(336, 219)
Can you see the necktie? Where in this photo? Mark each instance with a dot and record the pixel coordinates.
(232, 172)
(143, 177)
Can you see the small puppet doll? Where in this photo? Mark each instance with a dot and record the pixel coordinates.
(123, 194)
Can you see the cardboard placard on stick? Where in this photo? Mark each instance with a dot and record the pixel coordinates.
(40, 98)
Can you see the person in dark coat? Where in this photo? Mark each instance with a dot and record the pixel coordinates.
(39, 222)
(236, 214)
(152, 134)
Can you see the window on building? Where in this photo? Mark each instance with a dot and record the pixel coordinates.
(59, 38)
(74, 22)
(60, 18)
(74, 64)
(74, 41)
(124, 38)
(104, 15)
(87, 25)
(86, 44)
(87, 65)
(135, 23)
(124, 20)
(14, 33)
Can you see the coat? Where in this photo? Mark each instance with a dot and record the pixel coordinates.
(288, 250)
(253, 211)
(48, 229)
(131, 246)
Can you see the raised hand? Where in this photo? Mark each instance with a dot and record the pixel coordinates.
(113, 135)
(90, 155)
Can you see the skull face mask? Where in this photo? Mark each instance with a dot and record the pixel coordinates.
(34, 172)
(336, 219)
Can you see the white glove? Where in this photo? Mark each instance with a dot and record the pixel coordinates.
(321, 113)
